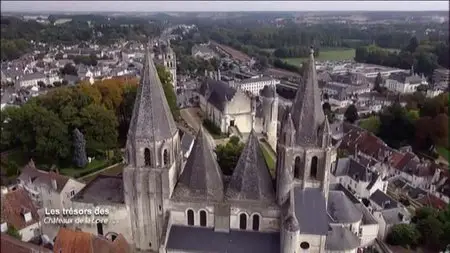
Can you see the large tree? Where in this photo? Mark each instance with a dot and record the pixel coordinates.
(351, 114)
(79, 149)
(228, 154)
(405, 235)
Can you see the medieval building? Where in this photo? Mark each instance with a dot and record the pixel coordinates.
(195, 208)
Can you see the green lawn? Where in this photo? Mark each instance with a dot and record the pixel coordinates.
(91, 167)
(444, 152)
(336, 54)
(371, 124)
(269, 157)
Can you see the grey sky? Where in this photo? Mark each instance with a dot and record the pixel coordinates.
(156, 6)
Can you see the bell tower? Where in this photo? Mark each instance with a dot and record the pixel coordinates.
(153, 159)
(304, 146)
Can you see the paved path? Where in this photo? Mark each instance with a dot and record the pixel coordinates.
(193, 120)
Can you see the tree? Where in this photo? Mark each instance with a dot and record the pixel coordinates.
(100, 128)
(413, 44)
(378, 81)
(431, 230)
(351, 114)
(405, 235)
(79, 149)
(228, 155)
(41, 84)
(166, 81)
(12, 231)
(69, 69)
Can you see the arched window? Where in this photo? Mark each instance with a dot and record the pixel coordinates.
(255, 222)
(165, 157)
(243, 221)
(190, 217)
(147, 157)
(297, 168)
(313, 172)
(203, 218)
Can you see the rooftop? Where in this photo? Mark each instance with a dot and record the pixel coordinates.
(104, 189)
(183, 238)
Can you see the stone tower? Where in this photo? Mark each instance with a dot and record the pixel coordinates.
(153, 159)
(304, 157)
(269, 101)
(170, 61)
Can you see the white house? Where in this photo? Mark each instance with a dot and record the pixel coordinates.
(48, 189)
(404, 82)
(359, 179)
(255, 85)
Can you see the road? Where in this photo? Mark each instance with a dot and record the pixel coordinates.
(192, 119)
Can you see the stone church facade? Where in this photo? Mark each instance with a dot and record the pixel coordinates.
(195, 208)
(227, 106)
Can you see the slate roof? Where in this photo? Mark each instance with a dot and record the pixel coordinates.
(201, 176)
(29, 172)
(151, 119)
(13, 245)
(341, 209)
(104, 189)
(341, 239)
(268, 91)
(14, 205)
(383, 200)
(251, 179)
(395, 215)
(307, 113)
(311, 211)
(216, 92)
(187, 239)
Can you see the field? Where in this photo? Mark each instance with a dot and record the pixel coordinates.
(327, 54)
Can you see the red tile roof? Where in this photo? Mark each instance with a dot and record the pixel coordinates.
(14, 204)
(71, 241)
(432, 201)
(10, 244)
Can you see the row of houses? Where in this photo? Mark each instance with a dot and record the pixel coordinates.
(432, 178)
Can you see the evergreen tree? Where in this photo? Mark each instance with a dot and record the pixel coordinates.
(79, 149)
(351, 114)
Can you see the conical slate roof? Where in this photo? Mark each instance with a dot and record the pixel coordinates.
(201, 177)
(251, 179)
(307, 113)
(151, 119)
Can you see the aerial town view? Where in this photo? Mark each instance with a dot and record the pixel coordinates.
(225, 127)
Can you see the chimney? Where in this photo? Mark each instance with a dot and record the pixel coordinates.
(206, 73)
(219, 77)
(26, 215)
(54, 184)
(4, 190)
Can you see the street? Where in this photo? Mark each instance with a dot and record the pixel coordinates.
(190, 115)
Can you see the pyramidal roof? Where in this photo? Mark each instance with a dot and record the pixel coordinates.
(201, 177)
(151, 119)
(307, 113)
(251, 179)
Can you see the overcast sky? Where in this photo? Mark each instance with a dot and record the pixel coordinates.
(157, 6)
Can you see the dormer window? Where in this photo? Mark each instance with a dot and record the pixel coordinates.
(26, 215)
(4, 227)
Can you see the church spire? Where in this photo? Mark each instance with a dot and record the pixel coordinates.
(151, 119)
(307, 113)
